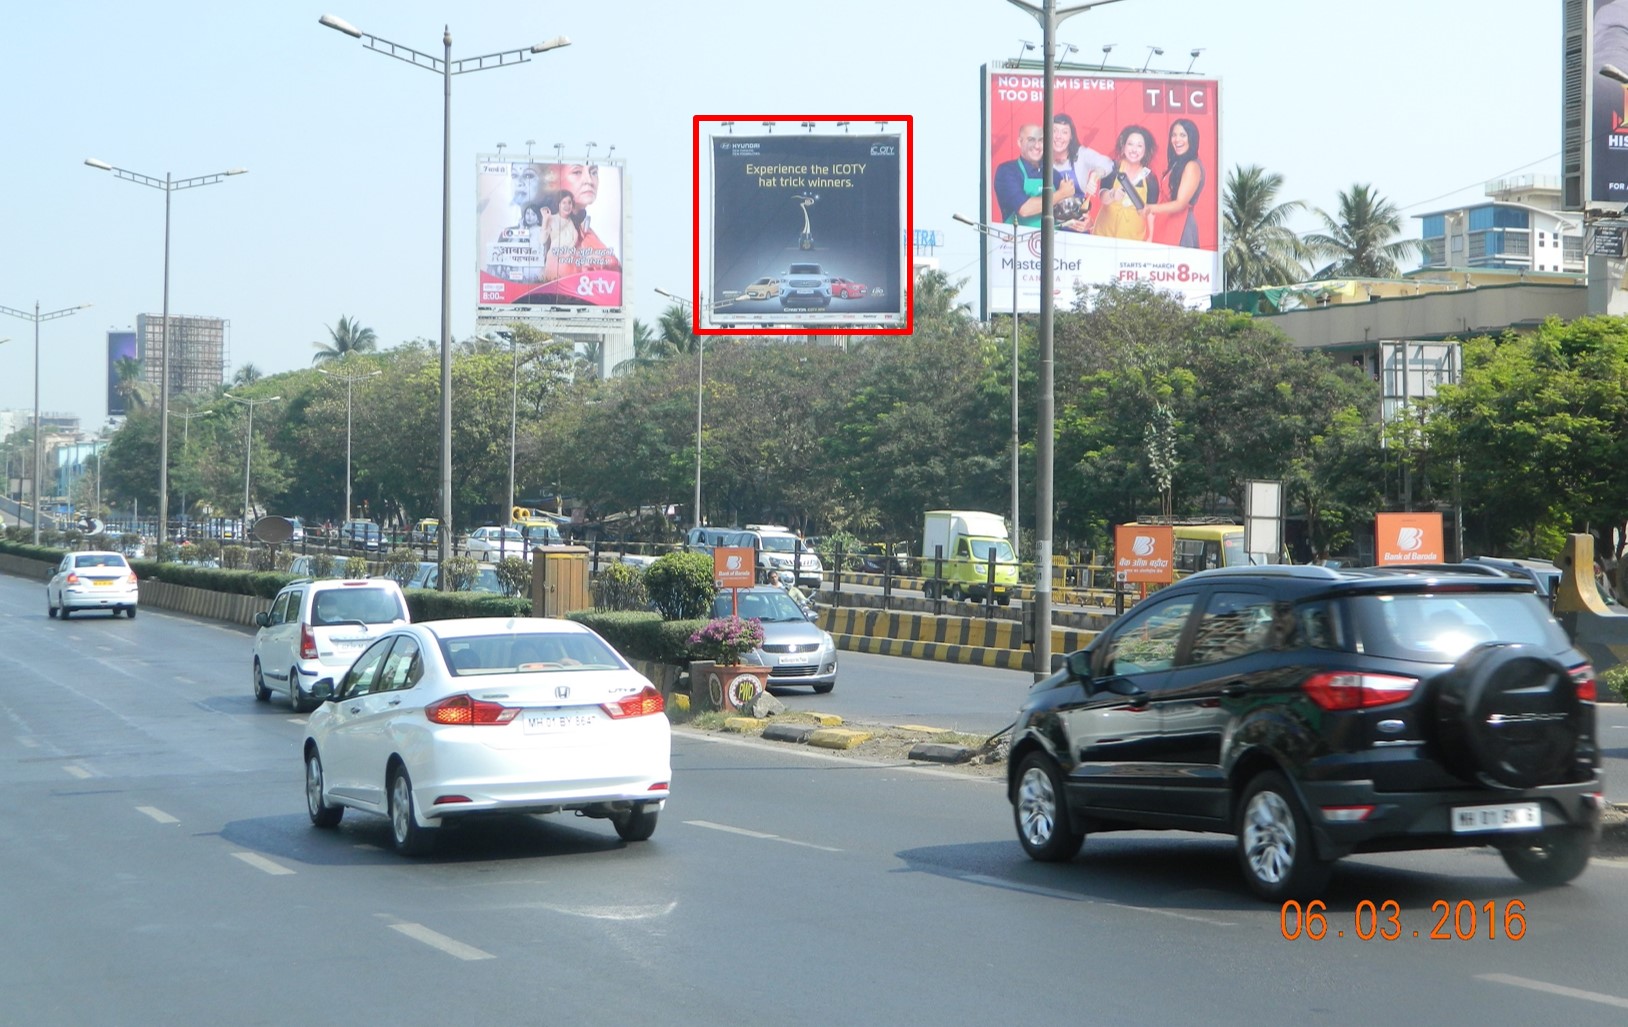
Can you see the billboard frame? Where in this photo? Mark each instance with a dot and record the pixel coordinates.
(906, 275)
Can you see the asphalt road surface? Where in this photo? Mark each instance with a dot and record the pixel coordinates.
(159, 869)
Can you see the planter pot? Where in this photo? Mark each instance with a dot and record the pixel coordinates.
(728, 688)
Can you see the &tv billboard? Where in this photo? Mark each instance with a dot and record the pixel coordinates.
(1135, 160)
(549, 234)
(807, 229)
(120, 346)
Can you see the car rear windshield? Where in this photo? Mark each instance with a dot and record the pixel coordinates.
(352, 604)
(527, 653)
(1441, 627)
(99, 560)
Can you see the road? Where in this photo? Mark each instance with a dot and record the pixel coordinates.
(160, 869)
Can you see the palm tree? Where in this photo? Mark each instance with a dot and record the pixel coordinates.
(248, 374)
(649, 348)
(676, 331)
(129, 383)
(1363, 240)
(1261, 249)
(347, 337)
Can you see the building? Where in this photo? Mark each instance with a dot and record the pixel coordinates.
(1519, 227)
(197, 362)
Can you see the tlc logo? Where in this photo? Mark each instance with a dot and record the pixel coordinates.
(1175, 98)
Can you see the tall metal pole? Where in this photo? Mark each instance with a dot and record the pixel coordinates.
(1017, 448)
(37, 317)
(700, 383)
(163, 533)
(248, 458)
(514, 426)
(1048, 17)
(444, 533)
(347, 449)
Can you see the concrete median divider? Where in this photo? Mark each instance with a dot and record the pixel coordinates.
(973, 640)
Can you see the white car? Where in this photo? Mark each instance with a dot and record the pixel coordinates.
(458, 718)
(315, 629)
(494, 543)
(95, 580)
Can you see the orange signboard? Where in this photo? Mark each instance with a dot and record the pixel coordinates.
(1144, 554)
(734, 567)
(1402, 538)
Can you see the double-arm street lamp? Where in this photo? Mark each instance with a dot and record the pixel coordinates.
(37, 317)
(349, 380)
(1010, 235)
(700, 381)
(168, 185)
(1047, 14)
(446, 67)
(248, 449)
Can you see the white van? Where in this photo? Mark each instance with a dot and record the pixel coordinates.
(777, 548)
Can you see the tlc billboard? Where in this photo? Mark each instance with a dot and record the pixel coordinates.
(807, 229)
(1135, 163)
(549, 235)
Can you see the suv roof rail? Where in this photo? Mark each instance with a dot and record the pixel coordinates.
(768, 527)
(1482, 570)
(1275, 570)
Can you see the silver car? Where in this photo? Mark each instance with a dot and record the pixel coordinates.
(91, 581)
(796, 651)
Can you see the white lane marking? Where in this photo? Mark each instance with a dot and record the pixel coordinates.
(157, 814)
(435, 940)
(757, 834)
(185, 680)
(260, 862)
(1053, 893)
(298, 720)
(78, 771)
(27, 742)
(1555, 989)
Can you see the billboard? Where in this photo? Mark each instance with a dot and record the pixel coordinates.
(808, 230)
(120, 346)
(1135, 161)
(1607, 149)
(549, 235)
(1402, 538)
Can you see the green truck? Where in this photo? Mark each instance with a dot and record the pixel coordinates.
(966, 539)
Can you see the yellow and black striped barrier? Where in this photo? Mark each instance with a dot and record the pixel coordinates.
(972, 640)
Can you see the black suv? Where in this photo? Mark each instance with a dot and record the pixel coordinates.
(1315, 713)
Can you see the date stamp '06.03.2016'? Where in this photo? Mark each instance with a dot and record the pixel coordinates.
(1370, 921)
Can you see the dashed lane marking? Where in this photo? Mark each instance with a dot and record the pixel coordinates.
(757, 834)
(157, 814)
(436, 940)
(260, 862)
(77, 771)
(1555, 989)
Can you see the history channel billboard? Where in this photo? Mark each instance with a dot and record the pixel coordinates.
(549, 235)
(807, 230)
(1134, 160)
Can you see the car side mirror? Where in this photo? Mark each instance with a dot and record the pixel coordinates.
(263, 618)
(1079, 664)
(323, 690)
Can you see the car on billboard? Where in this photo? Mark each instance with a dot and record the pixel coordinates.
(843, 289)
(763, 289)
(804, 285)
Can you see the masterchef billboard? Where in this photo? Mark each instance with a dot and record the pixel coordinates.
(1134, 162)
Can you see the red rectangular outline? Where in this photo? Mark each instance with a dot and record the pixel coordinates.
(908, 275)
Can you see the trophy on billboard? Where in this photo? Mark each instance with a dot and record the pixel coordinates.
(805, 201)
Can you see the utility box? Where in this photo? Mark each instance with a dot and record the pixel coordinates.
(559, 581)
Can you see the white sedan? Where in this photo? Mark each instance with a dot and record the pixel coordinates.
(448, 719)
(494, 543)
(92, 581)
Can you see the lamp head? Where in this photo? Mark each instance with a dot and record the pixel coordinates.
(105, 166)
(340, 25)
(551, 44)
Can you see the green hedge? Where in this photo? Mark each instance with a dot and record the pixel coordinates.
(642, 634)
(264, 584)
(50, 554)
(429, 604)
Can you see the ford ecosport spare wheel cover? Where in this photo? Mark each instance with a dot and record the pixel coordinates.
(1509, 715)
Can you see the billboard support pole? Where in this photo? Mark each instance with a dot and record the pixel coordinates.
(1049, 18)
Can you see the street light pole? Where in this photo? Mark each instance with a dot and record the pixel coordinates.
(37, 317)
(1049, 17)
(186, 438)
(248, 450)
(1017, 449)
(168, 185)
(446, 67)
(700, 382)
(349, 380)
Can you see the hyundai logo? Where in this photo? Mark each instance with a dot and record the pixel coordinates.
(562, 692)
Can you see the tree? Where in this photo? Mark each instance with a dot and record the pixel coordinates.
(648, 347)
(248, 374)
(1261, 249)
(675, 329)
(1363, 240)
(346, 337)
(130, 384)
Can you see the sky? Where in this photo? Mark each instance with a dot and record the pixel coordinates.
(340, 213)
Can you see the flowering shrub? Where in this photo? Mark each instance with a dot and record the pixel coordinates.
(725, 639)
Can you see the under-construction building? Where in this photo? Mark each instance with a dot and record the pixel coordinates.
(197, 352)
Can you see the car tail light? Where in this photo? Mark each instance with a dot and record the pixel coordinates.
(1582, 676)
(130, 579)
(71, 579)
(461, 709)
(308, 643)
(1352, 691)
(646, 702)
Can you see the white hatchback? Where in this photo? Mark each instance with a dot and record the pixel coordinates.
(448, 719)
(93, 580)
(316, 629)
